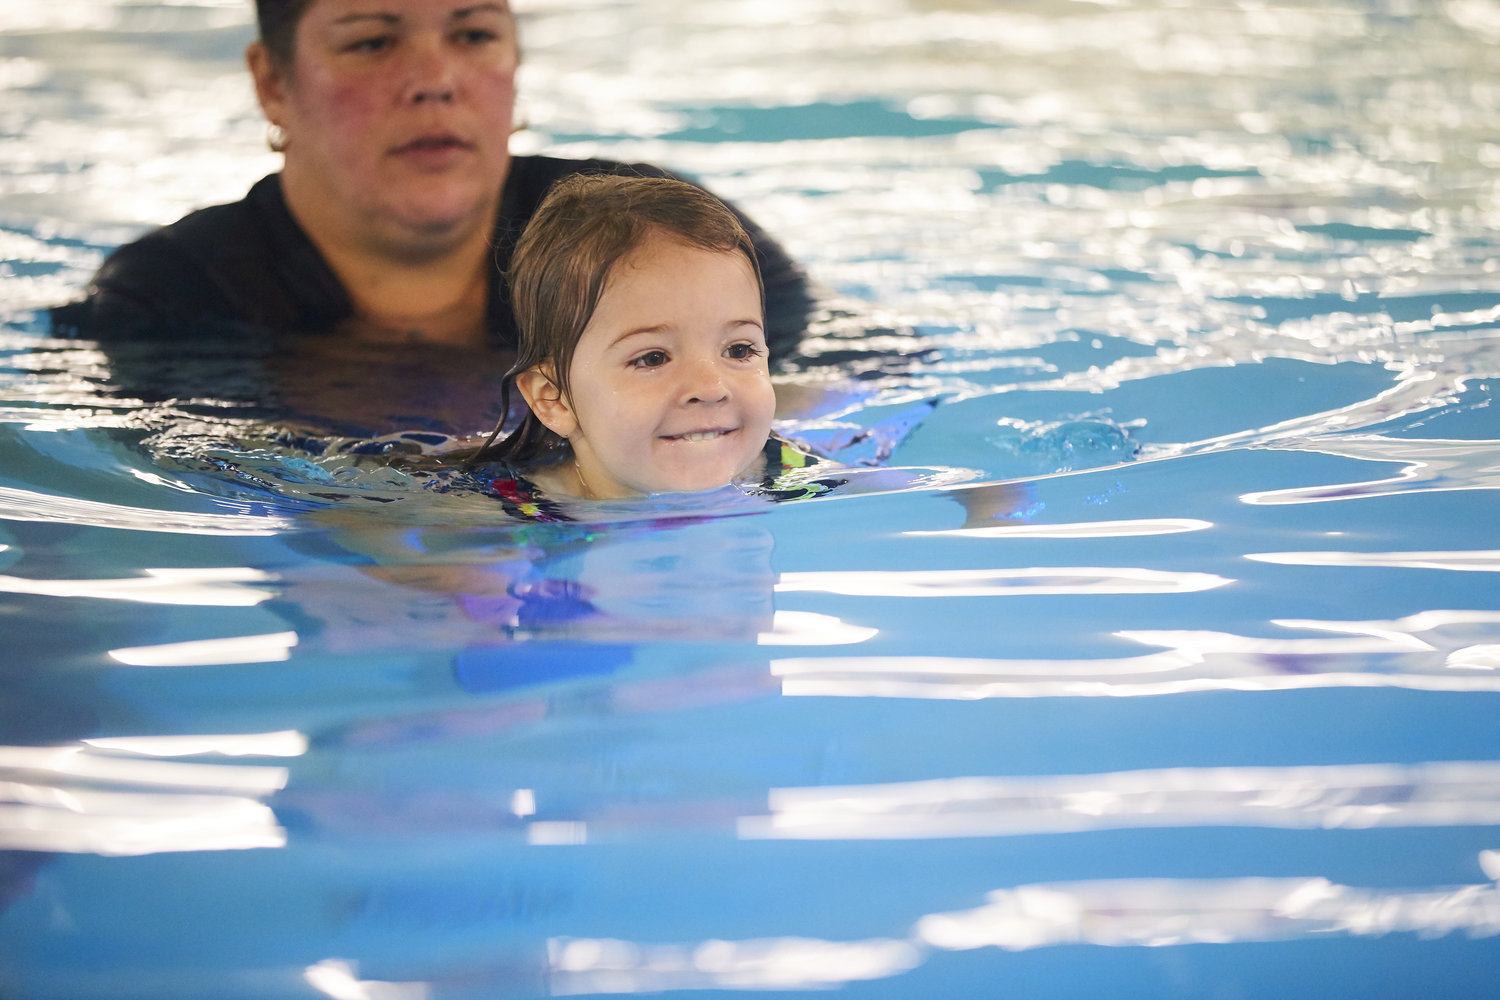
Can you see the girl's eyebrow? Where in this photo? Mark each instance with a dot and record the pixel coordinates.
(657, 328)
(739, 324)
(666, 327)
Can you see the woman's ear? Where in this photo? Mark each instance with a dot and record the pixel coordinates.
(546, 400)
(267, 79)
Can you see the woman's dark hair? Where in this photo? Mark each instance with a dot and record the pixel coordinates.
(585, 226)
(278, 27)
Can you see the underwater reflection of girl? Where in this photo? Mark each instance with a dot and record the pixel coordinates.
(547, 603)
(414, 590)
(568, 636)
(541, 607)
(398, 596)
(696, 580)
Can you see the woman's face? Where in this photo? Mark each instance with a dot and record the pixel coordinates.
(397, 115)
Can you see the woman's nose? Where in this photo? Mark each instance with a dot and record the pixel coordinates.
(431, 73)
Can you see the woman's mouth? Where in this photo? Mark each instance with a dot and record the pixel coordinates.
(438, 145)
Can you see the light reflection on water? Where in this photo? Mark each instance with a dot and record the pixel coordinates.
(112, 798)
(1148, 912)
(1361, 654)
(1151, 288)
(1319, 798)
(200, 588)
(1427, 465)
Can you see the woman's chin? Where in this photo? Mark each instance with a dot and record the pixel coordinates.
(446, 210)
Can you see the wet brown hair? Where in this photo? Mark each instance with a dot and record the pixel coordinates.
(278, 21)
(583, 229)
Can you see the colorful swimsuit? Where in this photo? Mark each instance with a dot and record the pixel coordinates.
(783, 481)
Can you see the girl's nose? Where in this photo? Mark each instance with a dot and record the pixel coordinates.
(704, 382)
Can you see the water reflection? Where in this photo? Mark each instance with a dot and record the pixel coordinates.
(25, 505)
(340, 980)
(1115, 913)
(1409, 644)
(210, 652)
(1081, 529)
(1160, 912)
(226, 587)
(287, 743)
(1223, 227)
(1312, 798)
(705, 579)
(128, 823)
(1471, 561)
(590, 965)
(1430, 651)
(806, 628)
(1428, 465)
(1004, 582)
(359, 386)
(114, 800)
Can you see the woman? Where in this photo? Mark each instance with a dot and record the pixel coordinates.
(399, 203)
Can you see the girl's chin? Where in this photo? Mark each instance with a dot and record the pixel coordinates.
(665, 478)
(698, 484)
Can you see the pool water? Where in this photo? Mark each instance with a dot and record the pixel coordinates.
(1152, 650)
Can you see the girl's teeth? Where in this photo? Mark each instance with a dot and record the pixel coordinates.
(704, 436)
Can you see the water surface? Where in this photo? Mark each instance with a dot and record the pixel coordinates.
(1153, 652)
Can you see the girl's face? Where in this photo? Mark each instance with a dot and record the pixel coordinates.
(397, 112)
(669, 386)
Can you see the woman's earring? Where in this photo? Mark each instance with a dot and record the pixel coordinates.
(276, 138)
(520, 121)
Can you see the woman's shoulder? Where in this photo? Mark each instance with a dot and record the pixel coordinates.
(244, 262)
(206, 235)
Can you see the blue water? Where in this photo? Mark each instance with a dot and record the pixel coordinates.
(1152, 651)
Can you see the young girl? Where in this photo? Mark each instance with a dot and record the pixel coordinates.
(642, 354)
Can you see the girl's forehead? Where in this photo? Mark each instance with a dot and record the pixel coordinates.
(665, 250)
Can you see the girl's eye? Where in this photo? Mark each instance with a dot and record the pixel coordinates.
(742, 352)
(651, 359)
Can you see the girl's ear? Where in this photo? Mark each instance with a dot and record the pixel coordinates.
(546, 401)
